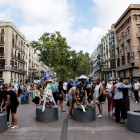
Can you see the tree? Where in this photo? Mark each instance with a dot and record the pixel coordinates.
(55, 53)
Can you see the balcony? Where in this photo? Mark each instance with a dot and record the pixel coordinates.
(2, 42)
(16, 47)
(122, 42)
(2, 54)
(128, 37)
(126, 66)
(117, 45)
(122, 53)
(112, 56)
(19, 59)
(138, 35)
(128, 50)
(9, 68)
(117, 56)
(139, 48)
(107, 50)
(16, 58)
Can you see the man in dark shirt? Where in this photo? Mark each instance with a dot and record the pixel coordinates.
(13, 101)
(69, 85)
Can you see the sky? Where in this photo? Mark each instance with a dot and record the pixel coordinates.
(81, 22)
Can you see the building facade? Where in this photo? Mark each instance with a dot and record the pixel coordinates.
(127, 36)
(17, 57)
(12, 53)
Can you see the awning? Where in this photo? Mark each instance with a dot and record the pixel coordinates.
(82, 77)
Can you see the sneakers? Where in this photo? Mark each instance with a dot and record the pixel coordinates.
(100, 116)
(14, 127)
(10, 125)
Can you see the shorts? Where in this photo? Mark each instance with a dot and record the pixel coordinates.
(36, 100)
(69, 96)
(14, 108)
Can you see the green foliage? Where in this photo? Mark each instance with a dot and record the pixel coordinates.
(54, 52)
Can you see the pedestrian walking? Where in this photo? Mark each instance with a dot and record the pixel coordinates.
(54, 87)
(13, 101)
(32, 91)
(37, 96)
(65, 87)
(98, 96)
(109, 96)
(136, 91)
(61, 95)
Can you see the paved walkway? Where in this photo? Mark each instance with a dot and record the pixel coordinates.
(67, 129)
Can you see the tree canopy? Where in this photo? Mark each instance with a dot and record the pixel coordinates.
(55, 53)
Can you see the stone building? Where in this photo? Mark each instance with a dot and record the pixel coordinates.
(127, 36)
(12, 53)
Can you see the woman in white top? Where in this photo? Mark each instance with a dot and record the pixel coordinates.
(109, 96)
(37, 96)
(98, 93)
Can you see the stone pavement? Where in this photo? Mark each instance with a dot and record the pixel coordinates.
(67, 129)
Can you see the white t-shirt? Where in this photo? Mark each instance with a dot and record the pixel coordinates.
(136, 86)
(109, 88)
(36, 94)
(65, 86)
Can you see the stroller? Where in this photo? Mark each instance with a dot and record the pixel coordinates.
(25, 97)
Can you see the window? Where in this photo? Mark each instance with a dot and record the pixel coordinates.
(1, 49)
(12, 63)
(2, 38)
(2, 63)
(18, 55)
(1, 74)
(139, 29)
(2, 31)
(129, 44)
(134, 17)
(128, 57)
(16, 64)
(138, 17)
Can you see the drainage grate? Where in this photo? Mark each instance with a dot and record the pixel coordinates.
(64, 132)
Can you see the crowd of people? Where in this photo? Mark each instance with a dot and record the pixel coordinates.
(75, 92)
